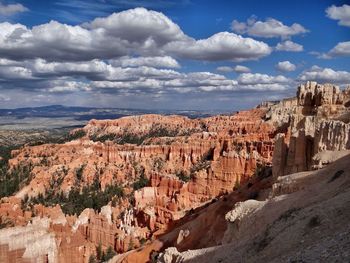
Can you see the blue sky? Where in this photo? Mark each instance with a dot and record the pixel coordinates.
(186, 54)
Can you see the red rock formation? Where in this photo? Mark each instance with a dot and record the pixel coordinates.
(204, 159)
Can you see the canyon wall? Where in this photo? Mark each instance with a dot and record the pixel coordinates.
(315, 123)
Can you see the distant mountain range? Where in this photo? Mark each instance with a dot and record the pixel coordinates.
(88, 113)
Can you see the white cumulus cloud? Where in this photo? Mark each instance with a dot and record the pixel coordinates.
(241, 69)
(341, 13)
(285, 66)
(224, 69)
(135, 32)
(221, 46)
(237, 69)
(342, 49)
(257, 78)
(289, 45)
(269, 28)
(158, 61)
(323, 75)
(11, 9)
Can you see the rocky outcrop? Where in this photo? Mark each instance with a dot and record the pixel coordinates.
(315, 95)
(144, 125)
(31, 242)
(47, 235)
(310, 127)
(333, 136)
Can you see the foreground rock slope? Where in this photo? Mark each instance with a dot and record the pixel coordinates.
(147, 187)
(305, 219)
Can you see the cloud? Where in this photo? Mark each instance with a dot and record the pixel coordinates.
(182, 83)
(241, 69)
(136, 32)
(99, 83)
(341, 13)
(8, 62)
(263, 82)
(42, 72)
(285, 66)
(289, 46)
(14, 73)
(221, 46)
(224, 69)
(197, 82)
(237, 69)
(342, 49)
(54, 41)
(4, 98)
(266, 87)
(268, 29)
(96, 70)
(11, 9)
(133, 53)
(323, 75)
(64, 86)
(257, 78)
(100, 76)
(140, 26)
(158, 62)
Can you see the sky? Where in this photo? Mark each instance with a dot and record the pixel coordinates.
(167, 54)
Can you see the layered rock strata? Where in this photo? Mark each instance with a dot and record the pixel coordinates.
(316, 121)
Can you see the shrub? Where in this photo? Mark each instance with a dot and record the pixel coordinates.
(237, 184)
(314, 222)
(143, 241)
(89, 197)
(182, 175)
(99, 251)
(5, 154)
(140, 183)
(76, 135)
(79, 172)
(130, 138)
(103, 138)
(109, 254)
(92, 259)
(203, 164)
(263, 171)
(158, 164)
(12, 180)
